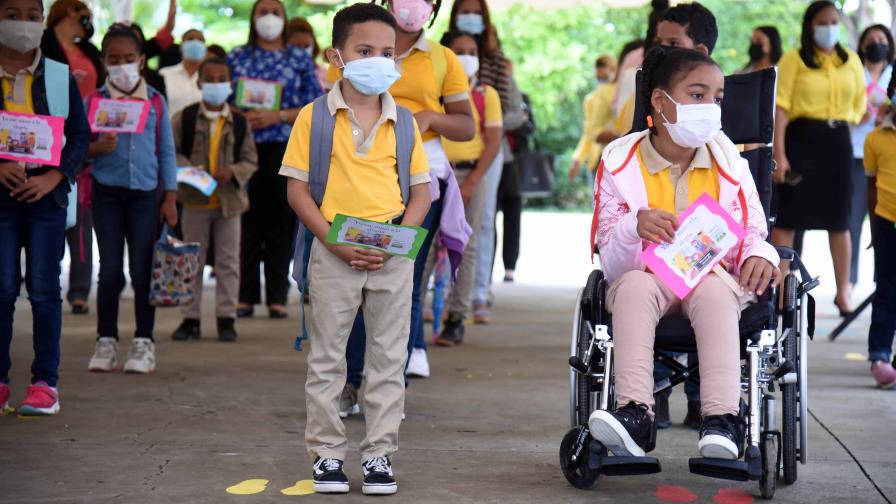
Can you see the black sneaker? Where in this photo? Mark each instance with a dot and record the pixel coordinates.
(661, 409)
(453, 332)
(187, 330)
(628, 431)
(378, 477)
(722, 437)
(693, 418)
(226, 331)
(328, 476)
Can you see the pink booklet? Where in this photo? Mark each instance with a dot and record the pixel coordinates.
(35, 139)
(705, 234)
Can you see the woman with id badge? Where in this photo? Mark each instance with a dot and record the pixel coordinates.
(34, 196)
(272, 82)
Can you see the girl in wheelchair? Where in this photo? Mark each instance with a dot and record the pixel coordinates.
(644, 181)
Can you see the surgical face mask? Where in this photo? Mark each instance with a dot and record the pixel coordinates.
(370, 76)
(470, 23)
(125, 77)
(697, 123)
(87, 24)
(215, 93)
(194, 50)
(21, 36)
(875, 53)
(411, 14)
(470, 64)
(827, 36)
(269, 27)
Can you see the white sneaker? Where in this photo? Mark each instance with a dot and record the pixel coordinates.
(418, 364)
(141, 357)
(348, 401)
(105, 357)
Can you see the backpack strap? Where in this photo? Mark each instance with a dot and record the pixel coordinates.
(188, 129)
(439, 64)
(478, 93)
(240, 128)
(323, 123)
(56, 76)
(404, 147)
(158, 104)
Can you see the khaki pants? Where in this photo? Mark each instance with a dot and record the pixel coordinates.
(638, 300)
(197, 225)
(337, 291)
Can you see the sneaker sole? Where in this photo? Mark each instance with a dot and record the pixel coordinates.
(717, 447)
(102, 369)
(606, 429)
(331, 488)
(32, 411)
(386, 489)
(354, 411)
(446, 343)
(481, 321)
(137, 371)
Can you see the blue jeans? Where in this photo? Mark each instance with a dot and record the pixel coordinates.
(39, 228)
(357, 340)
(121, 215)
(883, 308)
(485, 250)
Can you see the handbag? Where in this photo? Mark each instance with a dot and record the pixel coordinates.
(535, 169)
(174, 269)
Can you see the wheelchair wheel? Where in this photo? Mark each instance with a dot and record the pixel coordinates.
(790, 434)
(575, 469)
(768, 479)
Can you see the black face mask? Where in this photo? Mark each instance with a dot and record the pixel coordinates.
(875, 53)
(756, 52)
(87, 24)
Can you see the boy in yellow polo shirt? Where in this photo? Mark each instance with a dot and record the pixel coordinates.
(363, 181)
(597, 115)
(880, 166)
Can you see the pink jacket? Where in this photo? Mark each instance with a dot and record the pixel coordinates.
(620, 193)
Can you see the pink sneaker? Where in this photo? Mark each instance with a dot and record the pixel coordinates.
(884, 374)
(40, 399)
(4, 398)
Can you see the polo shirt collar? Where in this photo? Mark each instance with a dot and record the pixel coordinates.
(422, 44)
(29, 69)
(141, 93)
(336, 102)
(657, 163)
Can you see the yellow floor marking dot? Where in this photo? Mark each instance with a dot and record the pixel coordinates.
(248, 487)
(7, 411)
(855, 356)
(304, 487)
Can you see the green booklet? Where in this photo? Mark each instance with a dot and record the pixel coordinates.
(258, 94)
(404, 241)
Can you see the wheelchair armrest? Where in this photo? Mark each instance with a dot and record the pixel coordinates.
(807, 281)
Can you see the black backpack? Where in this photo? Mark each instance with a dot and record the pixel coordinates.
(188, 131)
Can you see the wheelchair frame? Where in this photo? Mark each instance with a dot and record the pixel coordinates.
(772, 358)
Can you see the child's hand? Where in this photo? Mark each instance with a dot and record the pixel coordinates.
(783, 166)
(358, 259)
(657, 226)
(375, 259)
(261, 119)
(168, 210)
(424, 119)
(757, 275)
(468, 190)
(107, 143)
(223, 175)
(12, 175)
(35, 188)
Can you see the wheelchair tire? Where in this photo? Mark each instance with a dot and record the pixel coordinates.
(769, 477)
(790, 434)
(577, 472)
(583, 382)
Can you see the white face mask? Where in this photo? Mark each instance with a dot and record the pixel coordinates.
(20, 36)
(125, 77)
(470, 64)
(269, 27)
(826, 36)
(697, 123)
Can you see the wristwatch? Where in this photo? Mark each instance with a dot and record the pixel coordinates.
(284, 117)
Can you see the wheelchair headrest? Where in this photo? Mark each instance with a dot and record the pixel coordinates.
(748, 108)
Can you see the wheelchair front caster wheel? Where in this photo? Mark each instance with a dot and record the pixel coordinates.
(769, 477)
(575, 451)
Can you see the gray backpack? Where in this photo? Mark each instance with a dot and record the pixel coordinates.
(322, 126)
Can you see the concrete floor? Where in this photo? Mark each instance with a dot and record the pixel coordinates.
(485, 428)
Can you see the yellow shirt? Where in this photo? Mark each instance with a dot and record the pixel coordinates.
(17, 88)
(833, 91)
(363, 179)
(417, 88)
(597, 106)
(472, 149)
(216, 127)
(880, 162)
(670, 189)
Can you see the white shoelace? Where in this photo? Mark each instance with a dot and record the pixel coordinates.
(139, 350)
(378, 464)
(105, 350)
(329, 464)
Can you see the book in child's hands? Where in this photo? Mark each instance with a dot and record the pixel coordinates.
(705, 234)
(200, 180)
(392, 239)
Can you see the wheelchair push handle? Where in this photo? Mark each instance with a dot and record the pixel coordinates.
(807, 281)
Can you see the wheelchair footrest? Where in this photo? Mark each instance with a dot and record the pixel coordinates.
(629, 466)
(736, 470)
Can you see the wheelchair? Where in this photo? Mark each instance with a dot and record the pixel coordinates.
(773, 343)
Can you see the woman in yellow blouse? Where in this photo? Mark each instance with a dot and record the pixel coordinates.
(821, 91)
(598, 113)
